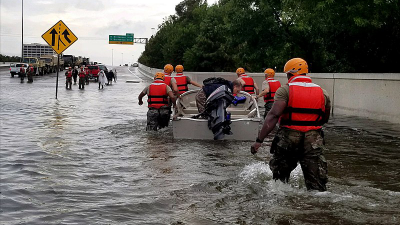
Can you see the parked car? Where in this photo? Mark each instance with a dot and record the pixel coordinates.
(15, 67)
(103, 67)
(94, 71)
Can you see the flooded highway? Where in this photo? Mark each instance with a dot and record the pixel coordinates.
(87, 159)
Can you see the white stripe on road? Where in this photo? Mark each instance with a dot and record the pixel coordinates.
(134, 73)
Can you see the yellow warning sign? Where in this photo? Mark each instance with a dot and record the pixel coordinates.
(59, 37)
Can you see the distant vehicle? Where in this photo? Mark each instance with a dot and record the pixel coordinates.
(103, 67)
(38, 65)
(135, 65)
(15, 67)
(69, 60)
(94, 71)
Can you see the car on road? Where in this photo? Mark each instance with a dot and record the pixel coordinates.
(135, 65)
(94, 71)
(103, 67)
(15, 67)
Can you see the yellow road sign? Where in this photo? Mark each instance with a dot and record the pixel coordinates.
(59, 37)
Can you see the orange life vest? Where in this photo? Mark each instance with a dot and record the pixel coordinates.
(181, 82)
(158, 95)
(167, 79)
(273, 86)
(248, 84)
(82, 74)
(22, 70)
(306, 106)
(69, 74)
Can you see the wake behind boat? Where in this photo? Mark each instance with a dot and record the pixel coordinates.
(245, 119)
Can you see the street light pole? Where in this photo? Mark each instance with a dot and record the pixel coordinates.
(112, 57)
(22, 42)
(122, 58)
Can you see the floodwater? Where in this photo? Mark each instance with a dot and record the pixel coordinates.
(87, 159)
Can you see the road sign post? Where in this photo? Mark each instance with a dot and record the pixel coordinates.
(59, 37)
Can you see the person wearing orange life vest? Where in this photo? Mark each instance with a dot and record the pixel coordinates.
(82, 78)
(269, 87)
(169, 80)
(158, 92)
(87, 75)
(30, 72)
(68, 76)
(182, 81)
(248, 83)
(302, 108)
(22, 73)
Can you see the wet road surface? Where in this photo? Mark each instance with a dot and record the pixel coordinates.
(87, 159)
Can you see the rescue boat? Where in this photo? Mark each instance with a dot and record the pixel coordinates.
(244, 117)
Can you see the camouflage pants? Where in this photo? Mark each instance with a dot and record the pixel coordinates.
(201, 100)
(268, 107)
(158, 118)
(291, 146)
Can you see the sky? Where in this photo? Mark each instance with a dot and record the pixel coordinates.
(92, 21)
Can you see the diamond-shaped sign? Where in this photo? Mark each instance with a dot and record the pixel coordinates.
(59, 37)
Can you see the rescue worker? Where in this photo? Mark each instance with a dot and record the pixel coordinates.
(30, 73)
(158, 93)
(248, 83)
(82, 78)
(75, 74)
(302, 108)
(182, 81)
(68, 76)
(101, 78)
(171, 82)
(115, 75)
(269, 87)
(22, 73)
(87, 75)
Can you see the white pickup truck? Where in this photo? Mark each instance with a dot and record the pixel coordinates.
(15, 67)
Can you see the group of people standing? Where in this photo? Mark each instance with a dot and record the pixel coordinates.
(84, 77)
(29, 72)
(300, 107)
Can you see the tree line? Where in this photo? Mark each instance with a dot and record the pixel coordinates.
(331, 35)
(6, 58)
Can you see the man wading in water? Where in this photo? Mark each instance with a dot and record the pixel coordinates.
(302, 108)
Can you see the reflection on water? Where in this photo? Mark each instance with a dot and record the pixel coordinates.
(86, 158)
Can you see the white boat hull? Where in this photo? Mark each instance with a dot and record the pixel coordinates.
(245, 120)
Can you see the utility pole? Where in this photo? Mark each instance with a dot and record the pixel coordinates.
(22, 43)
(122, 58)
(112, 57)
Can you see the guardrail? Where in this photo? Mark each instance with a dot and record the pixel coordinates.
(370, 95)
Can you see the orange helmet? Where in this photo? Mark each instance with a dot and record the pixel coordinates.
(168, 68)
(240, 71)
(159, 75)
(179, 69)
(269, 72)
(296, 66)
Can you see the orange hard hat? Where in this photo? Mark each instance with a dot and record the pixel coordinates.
(179, 69)
(296, 66)
(269, 72)
(159, 75)
(168, 68)
(240, 71)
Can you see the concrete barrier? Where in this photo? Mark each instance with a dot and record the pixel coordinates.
(369, 95)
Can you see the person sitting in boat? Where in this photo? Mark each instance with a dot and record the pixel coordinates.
(182, 81)
(269, 87)
(210, 85)
(212, 101)
(248, 83)
(159, 110)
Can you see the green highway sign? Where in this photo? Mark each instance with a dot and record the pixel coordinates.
(121, 39)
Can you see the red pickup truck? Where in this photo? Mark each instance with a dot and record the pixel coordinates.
(94, 71)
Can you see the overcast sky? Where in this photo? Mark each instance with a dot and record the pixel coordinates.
(90, 20)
